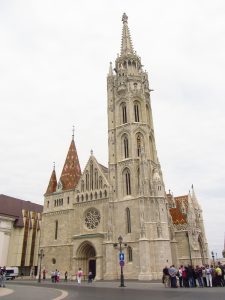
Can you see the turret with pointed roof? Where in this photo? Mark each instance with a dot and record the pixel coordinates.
(52, 183)
(71, 171)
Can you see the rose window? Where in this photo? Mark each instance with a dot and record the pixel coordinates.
(92, 218)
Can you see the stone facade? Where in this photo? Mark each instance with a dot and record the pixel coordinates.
(85, 213)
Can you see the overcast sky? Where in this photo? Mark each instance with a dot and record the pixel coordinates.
(54, 58)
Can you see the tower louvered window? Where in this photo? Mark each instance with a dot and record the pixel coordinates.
(126, 147)
(138, 146)
(136, 113)
(127, 182)
(124, 113)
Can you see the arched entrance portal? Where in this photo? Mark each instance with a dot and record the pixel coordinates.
(86, 258)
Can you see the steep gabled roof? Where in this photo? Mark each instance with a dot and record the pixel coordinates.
(71, 171)
(102, 172)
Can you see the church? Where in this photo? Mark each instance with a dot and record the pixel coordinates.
(91, 216)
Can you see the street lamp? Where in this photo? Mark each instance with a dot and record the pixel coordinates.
(40, 255)
(213, 257)
(121, 255)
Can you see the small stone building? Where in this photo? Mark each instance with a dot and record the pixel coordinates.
(19, 233)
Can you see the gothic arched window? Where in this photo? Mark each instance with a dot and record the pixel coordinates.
(91, 176)
(126, 146)
(128, 220)
(138, 180)
(56, 229)
(127, 182)
(129, 254)
(138, 145)
(87, 181)
(136, 112)
(124, 113)
(96, 179)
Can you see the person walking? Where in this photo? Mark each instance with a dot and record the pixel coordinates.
(90, 277)
(79, 275)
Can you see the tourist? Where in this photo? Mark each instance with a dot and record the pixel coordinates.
(166, 277)
(173, 276)
(79, 276)
(66, 275)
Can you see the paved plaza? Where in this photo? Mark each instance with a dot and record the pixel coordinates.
(103, 290)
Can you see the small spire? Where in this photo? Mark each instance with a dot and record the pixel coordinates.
(73, 133)
(91, 152)
(110, 69)
(53, 166)
(126, 45)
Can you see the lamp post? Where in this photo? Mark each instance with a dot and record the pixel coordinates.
(121, 246)
(213, 257)
(40, 255)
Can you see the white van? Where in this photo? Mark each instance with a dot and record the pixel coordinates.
(12, 272)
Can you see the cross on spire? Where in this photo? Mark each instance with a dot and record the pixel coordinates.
(73, 132)
(126, 44)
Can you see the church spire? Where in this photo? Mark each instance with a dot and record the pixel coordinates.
(71, 171)
(52, 182)
(126, 44)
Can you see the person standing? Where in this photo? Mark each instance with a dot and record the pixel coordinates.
(66, 275)
(44, 274)
(208, 272)
(79, 275)
(173, 276)
(3, 276)
(166, 277)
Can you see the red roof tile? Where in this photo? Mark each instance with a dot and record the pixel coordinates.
(176, 213)
(71, 171)
(52, 183)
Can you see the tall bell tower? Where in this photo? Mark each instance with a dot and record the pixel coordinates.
(137, 203)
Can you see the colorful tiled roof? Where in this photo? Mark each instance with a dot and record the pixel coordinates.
(52, 183)
(176, 213)
(71, 171)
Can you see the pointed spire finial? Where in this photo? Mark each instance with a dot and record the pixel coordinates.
(53, 166)
(110, 69)
(91, 152)
(192, 186)
(126, 45)
(124, 18)
(73, 133)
